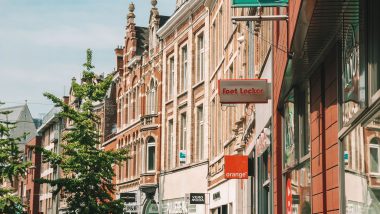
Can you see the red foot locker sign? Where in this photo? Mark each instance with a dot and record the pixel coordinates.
(234, 91)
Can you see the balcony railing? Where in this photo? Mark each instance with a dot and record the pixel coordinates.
(149, 122)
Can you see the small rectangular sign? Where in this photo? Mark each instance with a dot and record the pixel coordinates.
(236, 167)
(216, 196)
(182, 156)
(197, 198)
(259, 3)
(128, 197)
(243, 91)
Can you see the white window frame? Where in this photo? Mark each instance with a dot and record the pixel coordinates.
(200, 132)
(374, 146)
(184, 68)
(200, 57)
(170, 142)
(171, 65)
(182, 145)
(148, 145)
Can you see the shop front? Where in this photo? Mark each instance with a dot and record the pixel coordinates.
(131, 201)
(223, 197)
(359, 133)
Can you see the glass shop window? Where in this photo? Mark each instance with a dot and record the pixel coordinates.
(361, 156)
(289, 131)
(298, 191)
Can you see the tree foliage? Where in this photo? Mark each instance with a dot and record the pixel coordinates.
(87, 170)
(12, 166)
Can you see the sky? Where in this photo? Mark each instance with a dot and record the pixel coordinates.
(43, 44)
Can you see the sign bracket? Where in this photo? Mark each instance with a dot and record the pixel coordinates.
(259, 18)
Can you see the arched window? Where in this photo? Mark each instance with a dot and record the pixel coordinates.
(374, 155)
(152, 97)
(151, 154)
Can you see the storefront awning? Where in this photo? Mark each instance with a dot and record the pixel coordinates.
(321, 24)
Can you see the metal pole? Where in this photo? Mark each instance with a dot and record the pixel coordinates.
(259, 18)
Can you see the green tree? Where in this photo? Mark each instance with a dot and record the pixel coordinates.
(87, 169)
(12, 165)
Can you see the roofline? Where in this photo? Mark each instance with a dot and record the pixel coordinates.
(185, 10)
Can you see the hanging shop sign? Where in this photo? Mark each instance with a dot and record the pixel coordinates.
(236, 167)
(259, 3)
(289, 196)
(243, 91)
(182, 156)
(197, 198)
(128, 197)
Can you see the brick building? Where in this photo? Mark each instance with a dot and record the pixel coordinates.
(137, 85)
(325, 129)
(50, 132)
(29, 191)
(184, 152)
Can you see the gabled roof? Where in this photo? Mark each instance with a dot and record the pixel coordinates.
(14, 115)
(142, 35)
(163, 20)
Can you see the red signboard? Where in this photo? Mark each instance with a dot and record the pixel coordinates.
(235, 167)
(243, 91)
(289, 197)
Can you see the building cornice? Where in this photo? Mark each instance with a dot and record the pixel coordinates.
(177, 18)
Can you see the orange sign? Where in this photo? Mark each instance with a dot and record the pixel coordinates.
(236, 167)
(289, 199)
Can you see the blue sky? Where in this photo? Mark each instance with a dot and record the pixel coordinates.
(43, 43)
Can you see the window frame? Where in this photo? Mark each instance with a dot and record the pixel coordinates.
(170, 142)
(301, 120)
(150, 144)
(373, 146)
(182, 145)
(200, 57)
(184, 66)
(200, 132)
(171, 65)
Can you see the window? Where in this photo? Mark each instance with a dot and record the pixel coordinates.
(200, 133)
(126, 110)
(374, 48)
(134, 104)
(119, 110)
(220, 130)
(374, 155)
(221, 35)
(214, 61)
(151, 154)
(298, 185)
(183, 132)
(170, 143)
(296, 128)
(289, 131)
(361, 169)
(353, 78)
(183, 69)
(151, 99)
(200, 58)
(212, 128)
(171, 78)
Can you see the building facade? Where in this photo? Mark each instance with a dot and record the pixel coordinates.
(29, 190)
(184, 148)
(138, 86)
(325, 118)
(50, 133)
